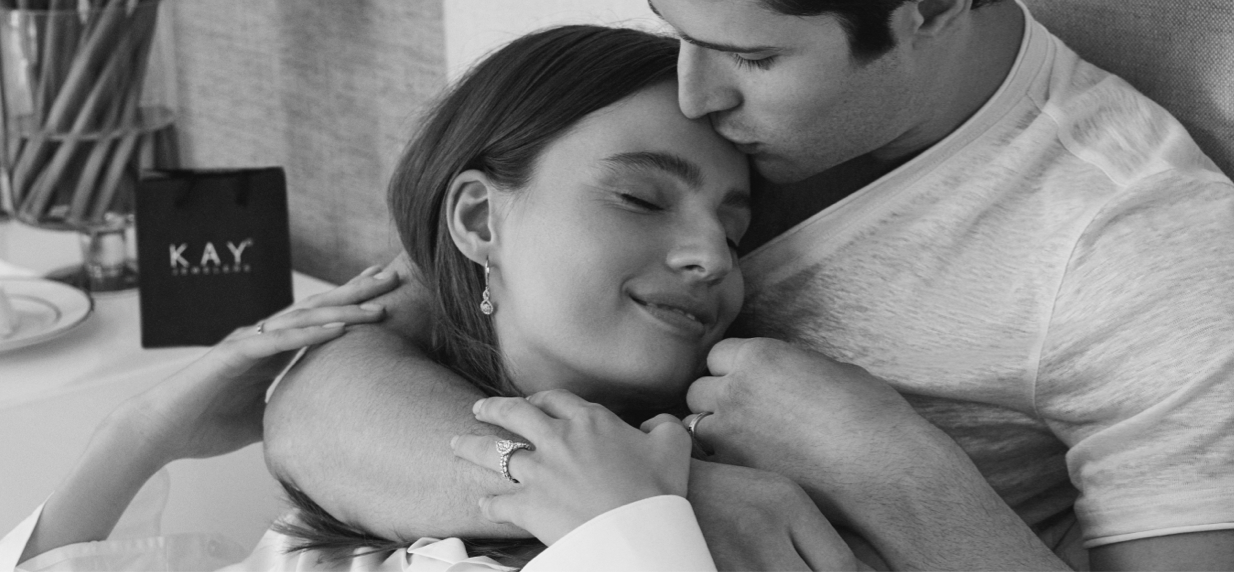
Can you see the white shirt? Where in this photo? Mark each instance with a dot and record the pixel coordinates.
(658, 533)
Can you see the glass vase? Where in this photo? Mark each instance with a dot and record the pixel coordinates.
(87, 92)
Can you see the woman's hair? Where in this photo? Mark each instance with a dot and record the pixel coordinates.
(497, 119)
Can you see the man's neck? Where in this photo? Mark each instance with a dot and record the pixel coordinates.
(971, 70)
(978, 66)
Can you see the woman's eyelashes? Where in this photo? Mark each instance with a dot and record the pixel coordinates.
(762, 63)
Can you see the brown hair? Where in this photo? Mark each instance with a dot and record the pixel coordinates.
(497, 119)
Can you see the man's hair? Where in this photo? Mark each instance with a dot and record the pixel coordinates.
(867, 22)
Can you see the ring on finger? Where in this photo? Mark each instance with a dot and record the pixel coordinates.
(694, 423)
(506, 448)
(261, 327)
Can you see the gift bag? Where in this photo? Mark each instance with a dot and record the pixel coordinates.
(213, 253)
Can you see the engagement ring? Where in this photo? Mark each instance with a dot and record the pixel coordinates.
(506, 448)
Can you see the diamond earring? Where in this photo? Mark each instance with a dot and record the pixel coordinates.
(486, 304)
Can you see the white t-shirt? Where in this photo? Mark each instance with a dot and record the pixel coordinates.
(1053, 286)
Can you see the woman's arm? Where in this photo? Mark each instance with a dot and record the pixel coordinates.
(89, 502)
(211, 407)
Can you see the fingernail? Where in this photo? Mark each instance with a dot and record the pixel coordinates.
(334, 325)
(371, 270)
(453, 441)
(383, 275)
(371, 307)
(475, 409)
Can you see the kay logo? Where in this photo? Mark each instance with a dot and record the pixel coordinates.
(185, 262)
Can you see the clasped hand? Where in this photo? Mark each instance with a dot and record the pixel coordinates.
(829, 426)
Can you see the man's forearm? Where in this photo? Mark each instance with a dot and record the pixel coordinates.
(363, 427)
(933, 510)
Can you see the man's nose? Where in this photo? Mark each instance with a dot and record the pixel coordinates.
(701, 89)
(702, 252)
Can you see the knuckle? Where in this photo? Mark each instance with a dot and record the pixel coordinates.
(762, 349)
(497, 406)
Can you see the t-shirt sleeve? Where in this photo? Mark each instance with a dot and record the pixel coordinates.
(1137, 370)
(657, 533)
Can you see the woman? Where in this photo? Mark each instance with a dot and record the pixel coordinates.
(578, 234)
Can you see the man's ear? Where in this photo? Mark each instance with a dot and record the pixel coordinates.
(930, 18)
(470, 211)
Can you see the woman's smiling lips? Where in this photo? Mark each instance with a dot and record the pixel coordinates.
(683, 313)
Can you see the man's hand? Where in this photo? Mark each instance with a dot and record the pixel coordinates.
(754, 520)
(829, 426)
(862, 453)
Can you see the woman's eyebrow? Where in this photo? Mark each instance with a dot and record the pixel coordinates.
(668, 163)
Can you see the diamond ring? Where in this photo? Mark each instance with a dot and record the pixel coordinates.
(506, 448)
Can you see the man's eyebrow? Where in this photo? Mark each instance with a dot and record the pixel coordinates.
(658, 161)
(733, 48)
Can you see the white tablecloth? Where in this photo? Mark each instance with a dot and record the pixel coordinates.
(53, 394)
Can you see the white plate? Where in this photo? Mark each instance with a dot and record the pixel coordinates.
(45, 309)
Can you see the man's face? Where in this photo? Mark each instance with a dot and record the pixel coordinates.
(786, 89)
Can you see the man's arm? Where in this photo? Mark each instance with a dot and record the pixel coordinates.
(863, 454)
(1212, 550)
(363, 425)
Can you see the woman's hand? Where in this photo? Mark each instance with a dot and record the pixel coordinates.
(215, 405)
(211, 407)
(586, 461)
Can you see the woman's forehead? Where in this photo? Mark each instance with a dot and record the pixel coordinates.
(647, 133)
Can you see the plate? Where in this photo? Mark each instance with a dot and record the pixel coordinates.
(45, 310)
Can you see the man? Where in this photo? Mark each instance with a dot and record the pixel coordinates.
(1026, 262)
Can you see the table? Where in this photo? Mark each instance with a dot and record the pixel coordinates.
(53, 394)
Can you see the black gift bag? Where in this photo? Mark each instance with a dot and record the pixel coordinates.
(213, 253)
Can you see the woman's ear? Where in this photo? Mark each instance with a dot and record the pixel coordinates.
(469, 214)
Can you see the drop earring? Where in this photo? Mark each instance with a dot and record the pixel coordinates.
(486, 304)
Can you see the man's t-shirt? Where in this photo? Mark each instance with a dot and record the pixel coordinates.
(1053, 286)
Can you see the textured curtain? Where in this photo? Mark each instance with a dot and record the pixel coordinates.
(328, 89)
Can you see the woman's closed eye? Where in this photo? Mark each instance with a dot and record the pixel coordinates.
(761, 63)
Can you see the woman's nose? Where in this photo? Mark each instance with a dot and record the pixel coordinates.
(703, 253)
(700, 88)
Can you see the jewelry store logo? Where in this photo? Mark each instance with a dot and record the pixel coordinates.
(210, 262)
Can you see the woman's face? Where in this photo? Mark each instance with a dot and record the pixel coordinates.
(614, 270)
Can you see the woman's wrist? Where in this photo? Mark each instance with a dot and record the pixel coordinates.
(130, 433)
(85, 507)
